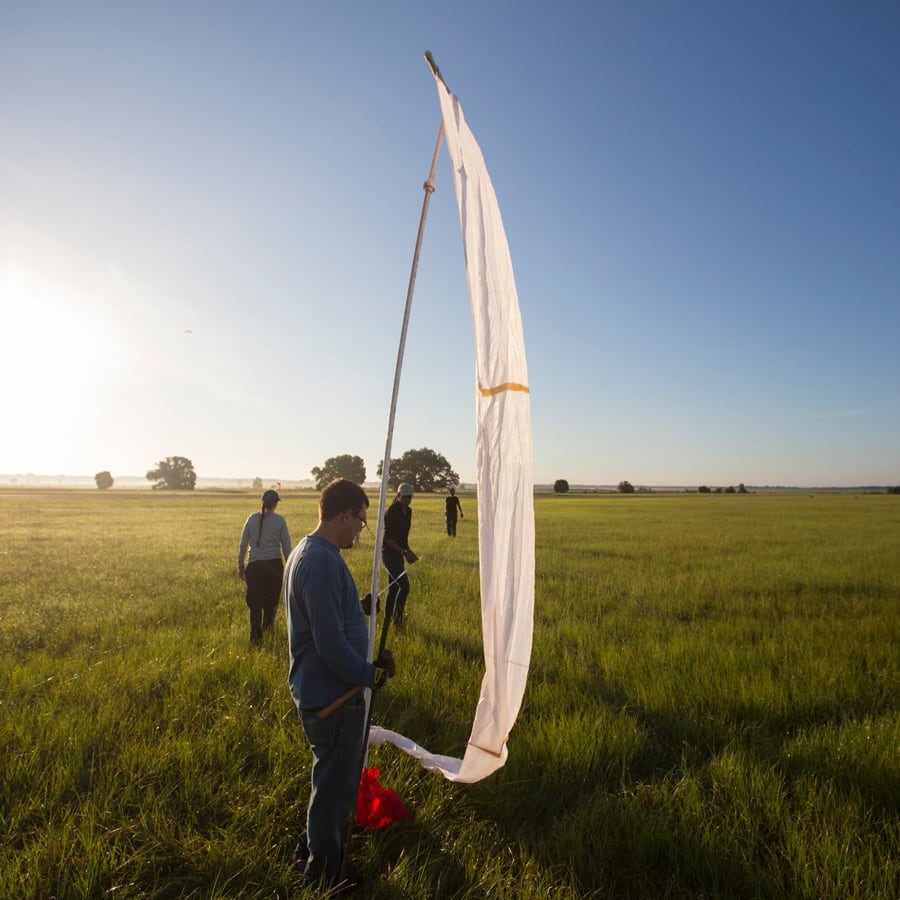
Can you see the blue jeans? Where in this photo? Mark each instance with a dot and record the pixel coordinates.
(336, 744)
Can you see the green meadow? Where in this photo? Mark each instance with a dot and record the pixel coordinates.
(711, 711)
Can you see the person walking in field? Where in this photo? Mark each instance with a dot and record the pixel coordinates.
(395, 550)
(452, 507)
(266, 535)
(328, 640)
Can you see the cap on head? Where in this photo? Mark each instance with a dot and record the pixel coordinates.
(270, 498)
(406, 490)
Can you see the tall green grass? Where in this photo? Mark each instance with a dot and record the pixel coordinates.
(711, 711)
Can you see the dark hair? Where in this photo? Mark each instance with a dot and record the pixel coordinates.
(269, 499)
(340, 496)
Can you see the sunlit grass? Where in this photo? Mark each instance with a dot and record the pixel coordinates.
(711, 709)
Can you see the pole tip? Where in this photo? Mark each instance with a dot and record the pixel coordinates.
(434, 68)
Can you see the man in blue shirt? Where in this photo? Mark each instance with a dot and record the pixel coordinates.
(328, 647)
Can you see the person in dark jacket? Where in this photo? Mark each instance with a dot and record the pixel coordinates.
(395, 550)
(266, 534)
(452, 507)
(329, 641)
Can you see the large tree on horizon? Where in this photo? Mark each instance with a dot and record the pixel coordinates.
(174, 473)
(425, 469)
(345, 466)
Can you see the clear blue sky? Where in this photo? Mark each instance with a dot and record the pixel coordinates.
(208, 213)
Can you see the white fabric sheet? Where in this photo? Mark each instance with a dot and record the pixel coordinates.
(504, 459)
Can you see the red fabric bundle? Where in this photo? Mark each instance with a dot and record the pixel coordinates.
(377, 806)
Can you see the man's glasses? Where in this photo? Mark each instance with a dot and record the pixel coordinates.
(365, 524)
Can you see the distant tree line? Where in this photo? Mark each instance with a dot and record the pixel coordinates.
(731, 489)
(174, 473)
(424, 469)
(561, 486)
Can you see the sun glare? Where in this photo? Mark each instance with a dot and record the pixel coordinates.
(52, 353)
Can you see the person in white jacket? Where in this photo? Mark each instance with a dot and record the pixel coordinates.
(266, 534)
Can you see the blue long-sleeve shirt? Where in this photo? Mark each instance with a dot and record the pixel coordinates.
(326, 627)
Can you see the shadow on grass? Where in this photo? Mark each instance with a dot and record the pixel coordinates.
(694, 739)
(405, 716)
(470, 649)
(410, 844)
(625, 831)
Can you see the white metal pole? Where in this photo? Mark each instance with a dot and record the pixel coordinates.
(386, 463)
(386, 459)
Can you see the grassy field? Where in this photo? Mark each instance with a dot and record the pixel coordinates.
(711, 712)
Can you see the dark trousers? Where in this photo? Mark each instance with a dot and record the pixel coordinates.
(336, 744)
(399, 589)
(263, 591)
(451, 526)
